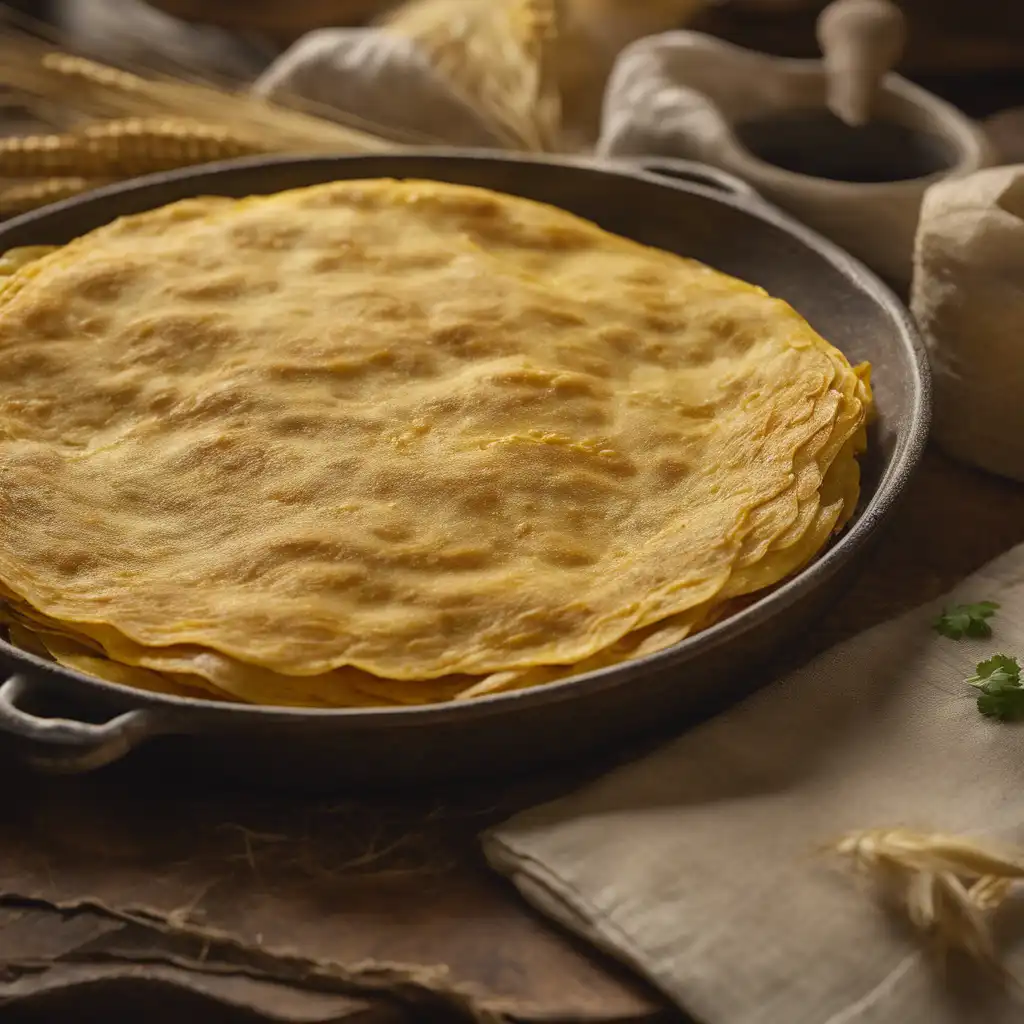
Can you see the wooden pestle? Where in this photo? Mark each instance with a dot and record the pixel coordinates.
(861, 40)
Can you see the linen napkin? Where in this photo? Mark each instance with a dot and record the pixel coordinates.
(704, 865)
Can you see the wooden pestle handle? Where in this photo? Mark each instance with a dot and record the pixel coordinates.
(861, 40)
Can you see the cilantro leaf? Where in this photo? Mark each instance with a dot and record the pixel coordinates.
(1006, 707)
(996, 673)
(966, 620)
(1002, 690)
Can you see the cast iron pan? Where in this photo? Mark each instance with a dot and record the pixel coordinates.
(62, 721)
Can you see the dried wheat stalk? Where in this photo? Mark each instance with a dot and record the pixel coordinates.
(947, 886)
(25, 196)
(122, 148)
(125, 94)
(500, 55)
(100, 92)
(122, 124)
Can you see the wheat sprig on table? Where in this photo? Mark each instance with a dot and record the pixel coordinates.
(947, 886)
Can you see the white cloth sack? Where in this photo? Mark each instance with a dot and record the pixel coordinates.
(968, 298)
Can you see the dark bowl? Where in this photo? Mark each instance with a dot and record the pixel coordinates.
(63, 721)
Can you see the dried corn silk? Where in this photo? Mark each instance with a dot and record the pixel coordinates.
(382, 442)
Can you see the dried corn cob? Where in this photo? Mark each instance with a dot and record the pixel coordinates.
(122, 148)
(21, 198)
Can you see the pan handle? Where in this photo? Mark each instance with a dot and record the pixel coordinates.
(697, 173)
(63, 746)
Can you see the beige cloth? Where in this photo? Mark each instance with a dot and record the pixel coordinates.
(968, 298)
(702, 865)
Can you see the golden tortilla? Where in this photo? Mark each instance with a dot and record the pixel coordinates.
(403, 430)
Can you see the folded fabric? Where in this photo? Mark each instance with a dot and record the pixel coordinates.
(706, 865)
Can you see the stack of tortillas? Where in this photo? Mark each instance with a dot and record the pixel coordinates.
(383, 442)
